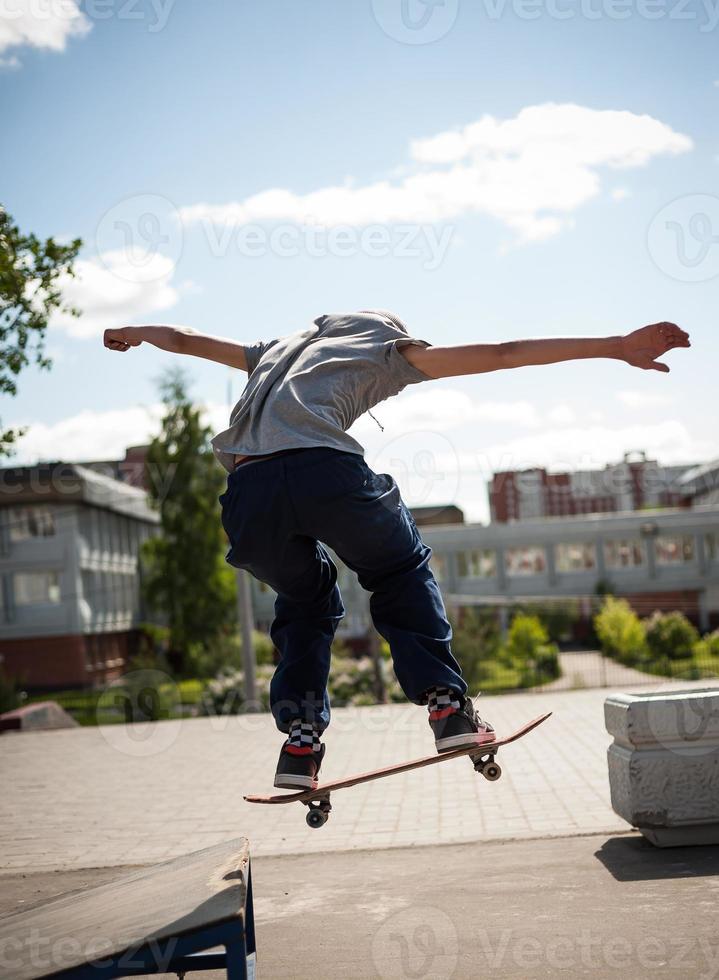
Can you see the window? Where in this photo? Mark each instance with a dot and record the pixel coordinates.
(34, 588)
(673, 549)
(623, 553)
(30, 522)
(524, 561)
(574, 556)
(711, 546)
(481, 563)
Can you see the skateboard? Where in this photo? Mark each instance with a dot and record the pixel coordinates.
(318, 800)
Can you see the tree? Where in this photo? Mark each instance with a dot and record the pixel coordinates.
(185, 575)
(31, 276)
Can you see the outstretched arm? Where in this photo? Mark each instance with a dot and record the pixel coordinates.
(640, 348)
(179, 340)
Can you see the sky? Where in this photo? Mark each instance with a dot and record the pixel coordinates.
(487, 169)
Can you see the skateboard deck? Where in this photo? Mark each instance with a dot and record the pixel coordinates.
(482, 754)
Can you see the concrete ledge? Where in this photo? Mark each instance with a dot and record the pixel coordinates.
(664, 764)
(44, 716)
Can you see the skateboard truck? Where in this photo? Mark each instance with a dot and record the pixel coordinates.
(318, 811)
(486, 766)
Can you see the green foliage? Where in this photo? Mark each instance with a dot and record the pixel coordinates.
(476, 644)
(558, 618)
(184, 573)
(620, 631)
(528, 648)
(32, 275)
(223, 652)
(9, 694)
(670, 635)
(225, 694)
(707, 649)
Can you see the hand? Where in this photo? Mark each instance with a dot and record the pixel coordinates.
(121, 338)
(641, 347)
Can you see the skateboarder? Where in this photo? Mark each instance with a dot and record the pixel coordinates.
(297, 482)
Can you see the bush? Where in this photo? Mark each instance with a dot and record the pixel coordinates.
(558, 618)
(9, 695)
(620, 631)
(670, 635)
(706, 652)
(477, 645)
(528, 648)
(225, 694)
(223, 654)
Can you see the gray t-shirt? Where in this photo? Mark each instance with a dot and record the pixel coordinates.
(306, 389)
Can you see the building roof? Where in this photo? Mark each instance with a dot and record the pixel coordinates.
(702, 478)
(59, 483)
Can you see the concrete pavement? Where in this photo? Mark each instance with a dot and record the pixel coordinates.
(596, 906)
(118, 795)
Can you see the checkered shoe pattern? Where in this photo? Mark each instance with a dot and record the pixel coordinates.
(442, 702)
(303, 735)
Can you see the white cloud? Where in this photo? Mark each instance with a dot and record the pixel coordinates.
(112, 290)
(588, 446)
(45, 25)
(96, 435)
(561, 415)
(10, 63)
(441, 409)
(88, 435)
(620, 193)
(530, 172)
(643, 399)
(432, 462)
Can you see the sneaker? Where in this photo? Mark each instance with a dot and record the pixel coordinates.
(456, 728)
(297, 767)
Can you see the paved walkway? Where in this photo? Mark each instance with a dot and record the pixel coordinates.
(589, 669)
(115, 795)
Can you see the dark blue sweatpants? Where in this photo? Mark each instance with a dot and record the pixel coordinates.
(276, 512)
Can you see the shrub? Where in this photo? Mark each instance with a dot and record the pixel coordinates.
(9, 694)
(558, 618)
(477, 644)
(223, 654)
(670, 635)
(528, 648)
(620, 631)
(225, 694)
(707, 649)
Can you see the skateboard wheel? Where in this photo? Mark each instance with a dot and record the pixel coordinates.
(492, 771)
(316, 819)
